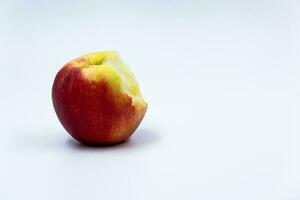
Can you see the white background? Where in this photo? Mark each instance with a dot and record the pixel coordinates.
(222, 79)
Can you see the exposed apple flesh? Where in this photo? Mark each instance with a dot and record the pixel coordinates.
(97, 99)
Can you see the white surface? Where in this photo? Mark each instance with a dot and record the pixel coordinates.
(222, 79)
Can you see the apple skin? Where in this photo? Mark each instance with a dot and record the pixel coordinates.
(90, 111)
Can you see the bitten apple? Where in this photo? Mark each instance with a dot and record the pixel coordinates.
(97, 99)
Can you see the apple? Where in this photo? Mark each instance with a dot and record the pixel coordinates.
(97, 99)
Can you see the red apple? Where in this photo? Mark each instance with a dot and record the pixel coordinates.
(97, 99)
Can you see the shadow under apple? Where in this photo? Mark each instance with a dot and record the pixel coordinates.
(142, 137)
